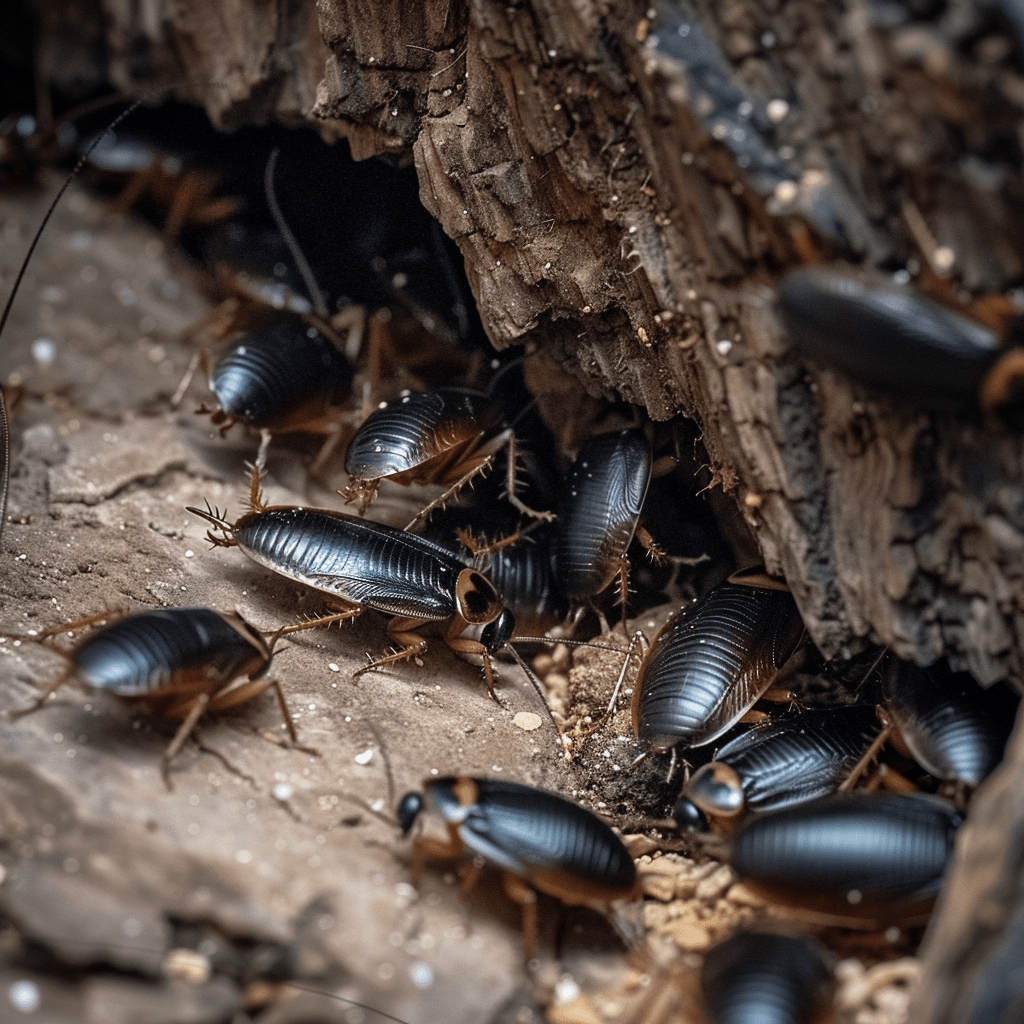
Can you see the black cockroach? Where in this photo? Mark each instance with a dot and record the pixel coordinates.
(286, 376)
(788, 760)
(288, 373)
(541, 841)
(443, 437)
(897, 340)
(178, 662)
(363, 564)
(879, 856)
(711, 662)
(767, 977)
(602, 500)
(953, 728)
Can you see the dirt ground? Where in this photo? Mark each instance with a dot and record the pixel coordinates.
(270, 879)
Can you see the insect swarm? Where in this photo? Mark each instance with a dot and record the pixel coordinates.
(280, 826)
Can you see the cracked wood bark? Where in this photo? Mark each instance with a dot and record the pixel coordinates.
(628, 182)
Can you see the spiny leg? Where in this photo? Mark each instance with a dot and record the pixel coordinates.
(323, 620)
(510, 485)
(88, 620)
(43, 697)
(400, 629)
(441, 501)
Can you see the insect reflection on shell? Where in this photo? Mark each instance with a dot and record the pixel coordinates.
(598, 514)
(790, 759)
(284, 376)
(767, 978)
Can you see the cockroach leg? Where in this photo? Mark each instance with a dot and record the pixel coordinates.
(441, 501)
(184, 730)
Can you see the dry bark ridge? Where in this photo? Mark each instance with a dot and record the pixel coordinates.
(627, 183)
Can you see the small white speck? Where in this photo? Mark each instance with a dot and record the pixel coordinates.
(776, 110)
(190, 554)
(421, 974)
(724, 346)
(566, 990)
(282, 791)
(365, 757)
(44, 351)
(943, 258)
(333, 667)
(901, 277)
(24, 995)
(786, 192)
(433, 771)
(243, 856)
(854, 896)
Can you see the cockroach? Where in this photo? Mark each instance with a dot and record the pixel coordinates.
(288, 373)
(178, 662)
(711, 662)
(953, 728)
(362, 564)
(286, 376)
(151, 174)
(898, 341)
(602, 500)
(443, 437)
(541, 842)
(879, 856)
(788, 760)
(767, 977)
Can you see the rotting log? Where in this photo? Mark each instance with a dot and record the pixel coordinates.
(627, 183)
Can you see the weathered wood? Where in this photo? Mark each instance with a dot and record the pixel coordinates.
(973, 947)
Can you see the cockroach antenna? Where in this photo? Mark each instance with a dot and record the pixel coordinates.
(316, 296)
(5, 434)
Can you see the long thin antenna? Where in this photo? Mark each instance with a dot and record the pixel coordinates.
(5, 438)
(315, 295)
